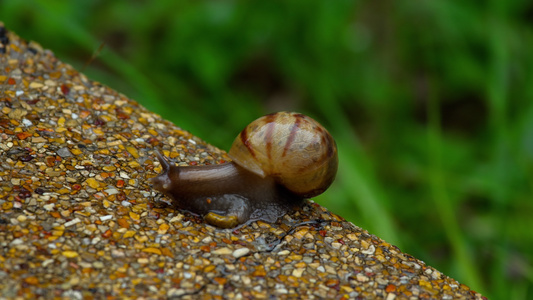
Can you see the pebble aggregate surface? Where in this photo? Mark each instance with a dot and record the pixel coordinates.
(79, 219)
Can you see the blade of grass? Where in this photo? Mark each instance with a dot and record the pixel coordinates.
(445, 208)
(496, 90)
(355, 174)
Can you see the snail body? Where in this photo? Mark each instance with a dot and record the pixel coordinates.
(277, 161)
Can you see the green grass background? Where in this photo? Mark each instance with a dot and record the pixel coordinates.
(431, 104)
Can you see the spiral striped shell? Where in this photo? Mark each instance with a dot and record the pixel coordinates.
(293, 148)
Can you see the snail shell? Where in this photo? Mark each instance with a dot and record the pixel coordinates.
(292, 148)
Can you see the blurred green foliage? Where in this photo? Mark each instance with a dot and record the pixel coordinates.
(431, 103)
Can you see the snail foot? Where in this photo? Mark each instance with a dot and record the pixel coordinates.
(221, 221)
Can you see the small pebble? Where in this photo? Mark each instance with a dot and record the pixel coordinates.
(72, 222)
(70, 254)
(240, 252)
(64, 152)
(222, 251)
(106, 217)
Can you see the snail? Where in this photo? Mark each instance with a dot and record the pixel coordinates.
(277, 161)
